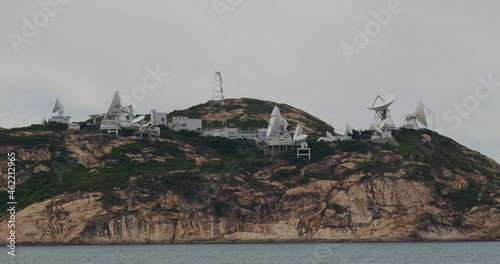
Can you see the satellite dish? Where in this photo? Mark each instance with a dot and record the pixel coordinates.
(329, 135)
(57, 106)
(420, 113)
(405, 116)
(300, 138)
(115, 106)
(138, 119)
(348, 129)
(274, 122)
(382, 125)
(377, 128)
(381, 102)
(298, 132)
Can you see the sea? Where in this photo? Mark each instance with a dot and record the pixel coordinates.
(303, 253)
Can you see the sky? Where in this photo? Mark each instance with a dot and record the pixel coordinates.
(326, 57)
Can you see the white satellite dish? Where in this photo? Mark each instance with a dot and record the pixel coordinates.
(115, 106)
(384, 122)
(300, 138)
(298, 132)
(138, 119)
(57, 106)
(381, 102)
(420, 113)
(348, 129)
(274, 122)
(405, 117)
(329, 135)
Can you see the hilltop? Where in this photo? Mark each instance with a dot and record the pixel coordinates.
(92, 188)
(249, 113)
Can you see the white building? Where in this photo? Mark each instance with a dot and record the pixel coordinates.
(184, 123)
(74, 126)
(259, 135)
(158, 118)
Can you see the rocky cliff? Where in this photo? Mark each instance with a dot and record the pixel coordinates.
(89, 188)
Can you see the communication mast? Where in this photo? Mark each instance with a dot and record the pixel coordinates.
(382, 124)
(217, 111)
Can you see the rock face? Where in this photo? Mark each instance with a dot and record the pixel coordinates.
(383, 210)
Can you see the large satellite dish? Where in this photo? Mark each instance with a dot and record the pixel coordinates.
(405, 116)
(274, 122)
(348, 130)
(420, 113)
(300, 138)
(138, 119)
(115, 106)
(381, 102)
(57, 106)
(298, 132)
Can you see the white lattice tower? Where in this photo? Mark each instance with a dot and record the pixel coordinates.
(217, 111)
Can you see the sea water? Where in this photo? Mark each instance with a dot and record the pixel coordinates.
(404, 252)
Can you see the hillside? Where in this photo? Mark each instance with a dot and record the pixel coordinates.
(93, 188)
(249, 113)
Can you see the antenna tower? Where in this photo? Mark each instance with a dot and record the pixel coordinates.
(217, 111)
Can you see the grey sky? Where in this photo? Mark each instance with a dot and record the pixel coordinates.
(285, 51)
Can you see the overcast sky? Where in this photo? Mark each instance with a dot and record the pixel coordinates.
(286, 51)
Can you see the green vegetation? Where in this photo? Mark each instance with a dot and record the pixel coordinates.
(46, 126)
(34, 141)
(284, 174)
(257, 106)
(255, 184)
(186, 183)
(196, 111)
(464, 199)
(355, 146)
(361, 134)
(247, 124)
(408, 139)
(319, 150)
(220, 208)
(319, 175)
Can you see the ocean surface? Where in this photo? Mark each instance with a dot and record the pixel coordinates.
(406, 252)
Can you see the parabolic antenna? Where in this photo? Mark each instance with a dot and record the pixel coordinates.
(381, 102)
(297, 133)
(274, 122)
(382, 125)
(94, 116)
(300, 138)
(57, 106)
(405, 116)
(348, 129)
(420, 113)
(329, 135)
(138, 119)
(115, 105)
